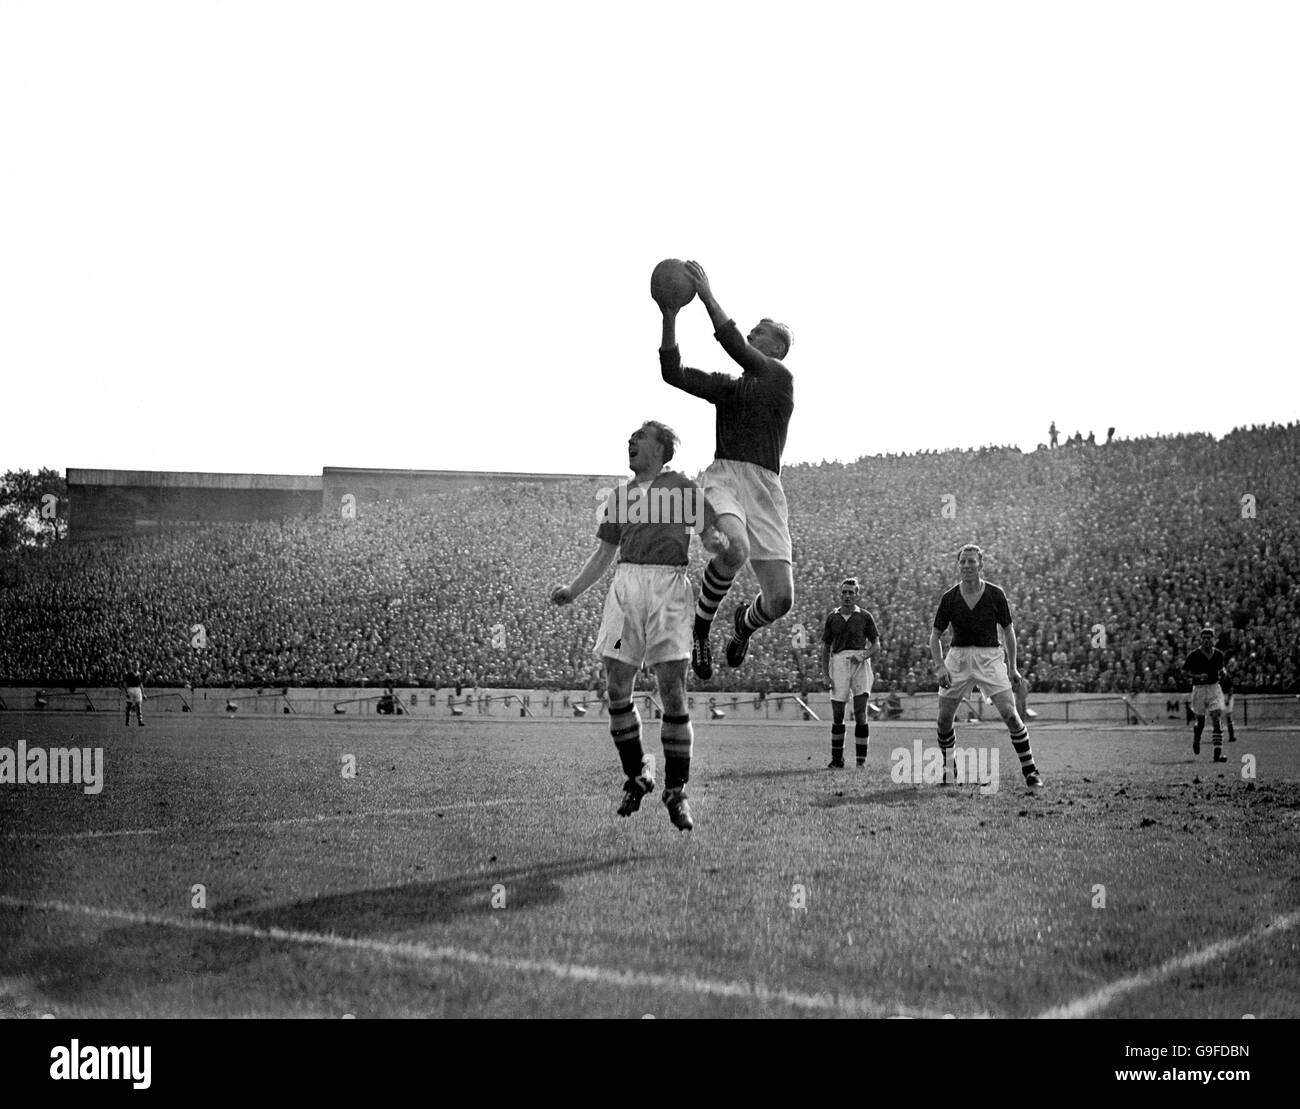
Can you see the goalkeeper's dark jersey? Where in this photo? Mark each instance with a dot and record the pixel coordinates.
(753, 410)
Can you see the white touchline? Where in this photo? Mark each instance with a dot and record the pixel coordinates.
(824, 1002)
(316, 818)
(1099, 999)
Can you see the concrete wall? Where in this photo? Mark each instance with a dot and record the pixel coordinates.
(501, 705)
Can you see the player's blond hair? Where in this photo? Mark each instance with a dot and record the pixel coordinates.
(667, 437)
(784, 332)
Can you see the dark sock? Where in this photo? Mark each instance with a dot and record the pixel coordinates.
(678, 739)
(625, 727)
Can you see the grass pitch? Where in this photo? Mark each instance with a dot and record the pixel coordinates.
(232, 868)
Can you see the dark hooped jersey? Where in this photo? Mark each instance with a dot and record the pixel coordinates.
(130, 681)
(849, 633)
(1204, 669)
(978, 626)
(651, 525)
(753, 410)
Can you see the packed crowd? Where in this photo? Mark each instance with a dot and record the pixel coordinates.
(1113, 557)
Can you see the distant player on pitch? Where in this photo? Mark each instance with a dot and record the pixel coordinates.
(976, 609)
(743, 483)
(647, 524)
(133, 687)
(1204, 665)
(849, 639)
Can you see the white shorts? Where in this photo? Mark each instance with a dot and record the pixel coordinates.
(135, 695)
(1207, 698)
(753, 493)
(649, 613)
(847, 677)
(985, 667)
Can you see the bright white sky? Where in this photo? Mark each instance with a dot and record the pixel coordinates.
(273, 236)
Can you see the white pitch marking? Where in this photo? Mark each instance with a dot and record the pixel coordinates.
(1091, 1003)
(288, 821)
(822, 1002)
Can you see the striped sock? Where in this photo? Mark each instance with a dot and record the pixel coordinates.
(1020, 741)
(947, 741)
(755, 617)
(678, 738)
(862, 734)
(837, 742)
(717, 581)
(625, 727)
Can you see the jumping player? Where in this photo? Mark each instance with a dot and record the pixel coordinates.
(647, 524)
(849, 639)
(1204, 665)
(133, 686)
(743, 483)
(976, 609)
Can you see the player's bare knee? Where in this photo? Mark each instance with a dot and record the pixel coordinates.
(779, 603)
(674, 701)
(737, 552)
(673, 695)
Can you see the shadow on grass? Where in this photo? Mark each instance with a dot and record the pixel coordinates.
(394, 908)
(136, 959)
(759, 775)
(908, 795)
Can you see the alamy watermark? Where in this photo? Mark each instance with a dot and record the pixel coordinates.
(921, 766)
(83, 766)
(632, 504)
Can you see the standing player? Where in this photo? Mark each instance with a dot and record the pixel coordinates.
(133, 686)
(976, 609)
(743, 482)
(849, 639)
(1204, 665)
(647, 523)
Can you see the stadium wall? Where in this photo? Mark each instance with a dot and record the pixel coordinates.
(1084, 709)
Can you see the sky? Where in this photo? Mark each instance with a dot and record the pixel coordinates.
(274, 236)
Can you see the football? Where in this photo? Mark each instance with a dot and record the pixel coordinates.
(670, 284)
